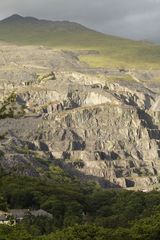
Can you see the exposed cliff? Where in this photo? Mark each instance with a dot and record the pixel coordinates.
(101, 124)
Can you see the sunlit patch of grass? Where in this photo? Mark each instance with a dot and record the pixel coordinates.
(114, 51)
(123, 59)
(125, 77)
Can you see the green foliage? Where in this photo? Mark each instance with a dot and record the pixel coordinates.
(80, 210)
(6, 110)
(3, 203)
(9, 108)
(1, 153)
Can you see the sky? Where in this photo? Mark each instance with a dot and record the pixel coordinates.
(135, 19)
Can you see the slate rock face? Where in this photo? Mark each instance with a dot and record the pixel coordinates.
(106, 130)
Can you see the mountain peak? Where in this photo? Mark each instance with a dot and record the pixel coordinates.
(17, 17)
(14, 17)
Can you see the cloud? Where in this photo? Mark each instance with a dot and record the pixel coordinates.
(138, 19)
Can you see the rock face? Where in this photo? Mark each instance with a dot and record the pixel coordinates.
(103, 129)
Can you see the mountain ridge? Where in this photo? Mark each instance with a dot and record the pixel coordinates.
(69, 25)
(16, 18)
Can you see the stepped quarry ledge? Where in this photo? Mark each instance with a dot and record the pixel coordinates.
(98, 124)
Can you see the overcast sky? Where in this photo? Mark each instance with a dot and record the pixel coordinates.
(137, 19)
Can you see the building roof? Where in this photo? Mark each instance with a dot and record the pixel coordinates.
(3, 218)
(18, 213)
(21, 213)
(41, 212)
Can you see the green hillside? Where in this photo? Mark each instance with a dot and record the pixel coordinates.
(114, 51)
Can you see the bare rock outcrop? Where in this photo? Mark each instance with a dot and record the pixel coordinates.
(92, 125)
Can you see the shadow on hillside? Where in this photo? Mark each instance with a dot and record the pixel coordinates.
(83, 177)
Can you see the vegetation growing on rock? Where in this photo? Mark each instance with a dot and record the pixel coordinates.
(9, 108)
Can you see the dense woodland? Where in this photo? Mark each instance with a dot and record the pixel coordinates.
(80, 210)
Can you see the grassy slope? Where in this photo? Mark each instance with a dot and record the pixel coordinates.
(114, 51)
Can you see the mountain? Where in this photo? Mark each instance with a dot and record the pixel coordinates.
(101, 124)
(29, 30)
(113, 51)
(17, 18)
